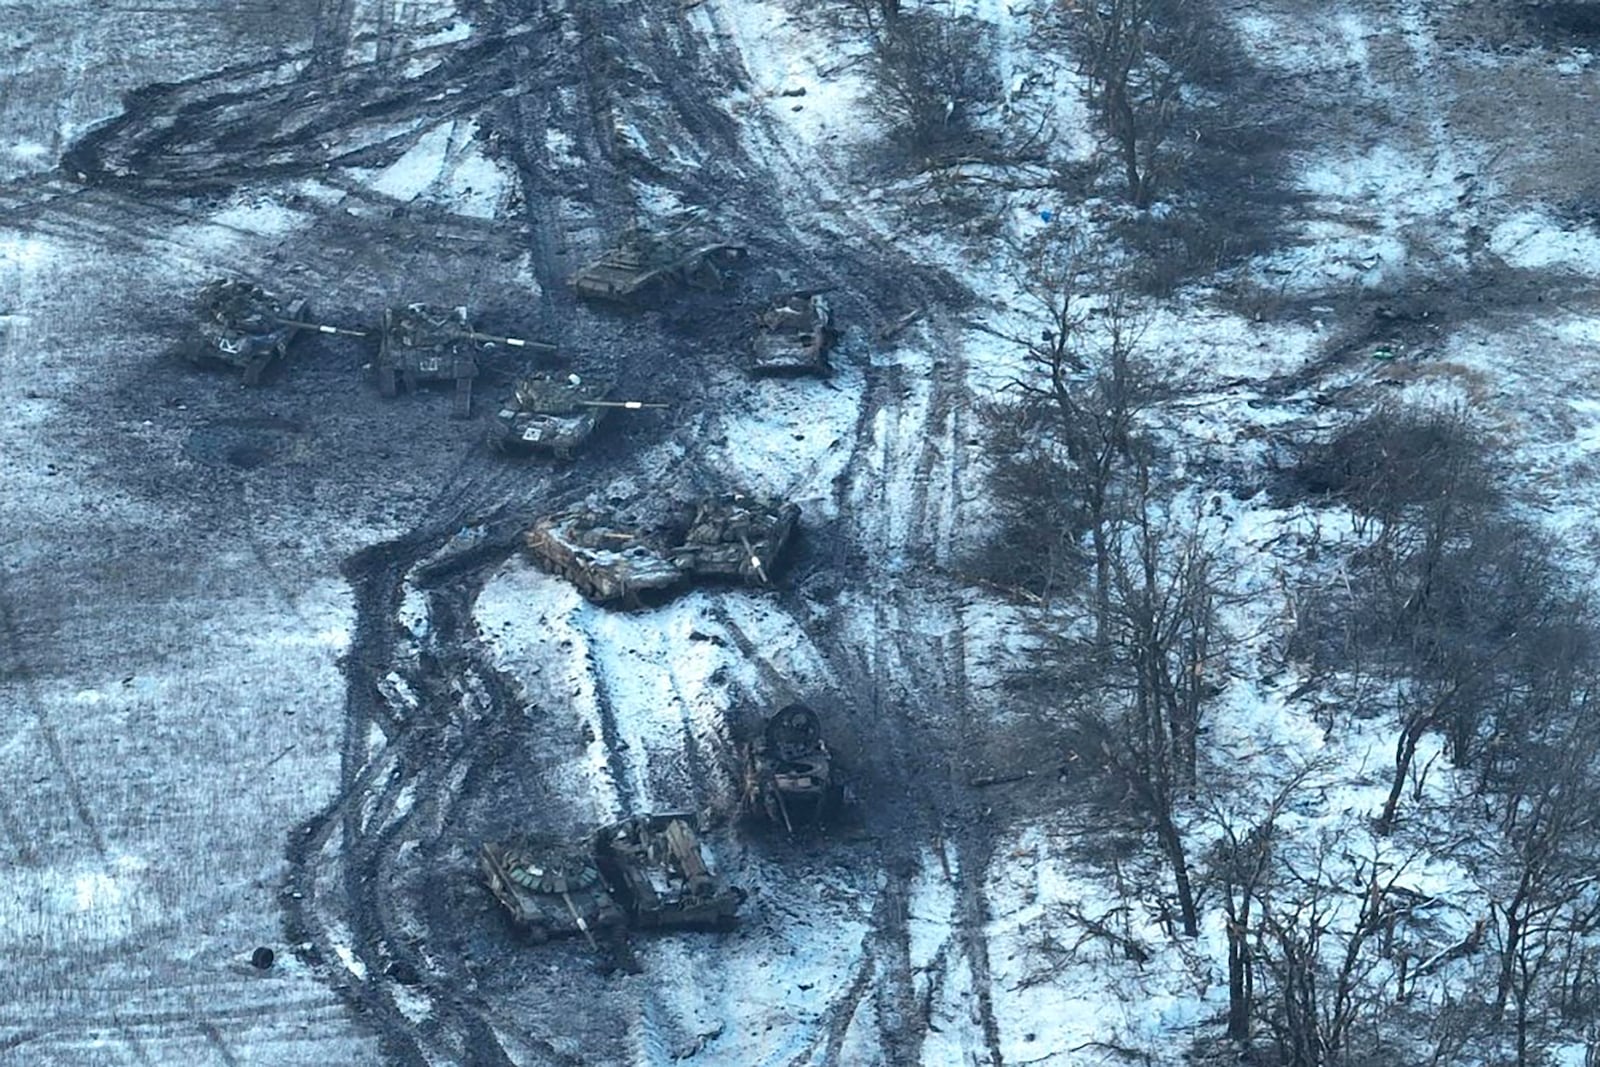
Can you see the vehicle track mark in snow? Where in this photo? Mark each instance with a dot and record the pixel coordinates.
(213, 1038)
(21, 672)
(782, 690)
(135, 1046)
(619, 765)
(330, 40)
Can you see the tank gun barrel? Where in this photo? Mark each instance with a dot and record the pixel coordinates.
(631, 405)
(514, 342)
(321, 328)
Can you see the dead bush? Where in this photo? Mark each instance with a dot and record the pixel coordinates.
(936, 76)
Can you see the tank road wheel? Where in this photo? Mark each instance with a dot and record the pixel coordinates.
(461, 408)
(386, 382)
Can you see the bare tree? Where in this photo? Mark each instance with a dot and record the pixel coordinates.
(1239, 868)
(1552, 828)
(935, 75)
(1129, 52)
(1146, 685)
(1083, 387)
(1318, 941)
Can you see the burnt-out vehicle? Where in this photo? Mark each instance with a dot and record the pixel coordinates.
(793, 336)
(553, 891)
(737, 535)
(607, 559)
(245, 327)
(789, 774)
(661, 877)
(642, 266)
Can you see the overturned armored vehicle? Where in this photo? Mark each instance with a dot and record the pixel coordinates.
(555, 892)
(737, 535)
(657, 872)
(789, 774)
(607, 559)
(793, 336)
(244, 326)
(642, 265)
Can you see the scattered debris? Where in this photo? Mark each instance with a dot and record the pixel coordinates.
(793, 336)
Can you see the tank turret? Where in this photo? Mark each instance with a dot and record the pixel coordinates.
(555, 413)
(642, 265)
(550, 892)
(789, 776)
(737, 535)
(424, 343)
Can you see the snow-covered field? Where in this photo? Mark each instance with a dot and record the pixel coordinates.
(240, 711)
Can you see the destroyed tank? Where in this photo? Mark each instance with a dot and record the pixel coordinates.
(421, 343)
(606, 559)
(789, 775)
(550, 413)
(244, 326)
(550, 892)
(643, 265)
(736, 535)
(793, 336)
(656, 870)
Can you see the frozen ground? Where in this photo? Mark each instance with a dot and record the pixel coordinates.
(272, 666)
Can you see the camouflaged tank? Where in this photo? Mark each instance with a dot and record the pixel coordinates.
(606, 559)
(789, 774)
(658, 873)
(428, 344)
(793, 336)
(550, 892)
(736, 535)
(643, 265)
(554, 413)
(244, 326)
(423, 343)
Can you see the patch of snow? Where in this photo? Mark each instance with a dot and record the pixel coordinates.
(446, 166)
(262, 217)
(351, 963)
(1532, 240)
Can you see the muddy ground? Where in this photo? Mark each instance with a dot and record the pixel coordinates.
(378, 896)
(159, 518)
